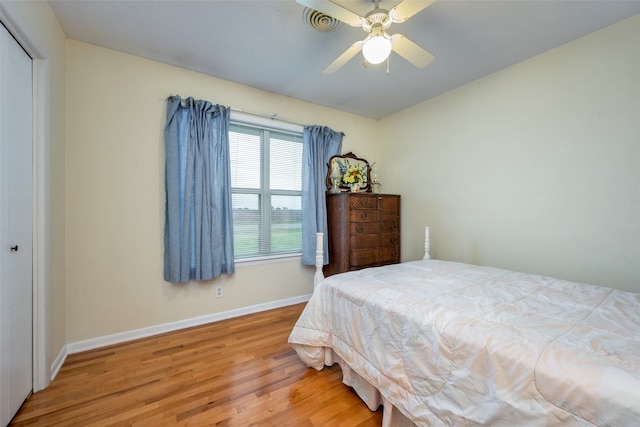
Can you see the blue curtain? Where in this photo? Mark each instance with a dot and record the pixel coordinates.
(198, 232)
(320, 143)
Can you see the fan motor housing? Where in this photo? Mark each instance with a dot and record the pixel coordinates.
(377, 16)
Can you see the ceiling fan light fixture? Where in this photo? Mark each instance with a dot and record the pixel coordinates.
(378, 44)
(376, 49)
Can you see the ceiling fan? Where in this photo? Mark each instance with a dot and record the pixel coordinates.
(378, 44)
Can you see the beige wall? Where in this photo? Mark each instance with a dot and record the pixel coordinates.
(41, 35)
(115, 193)
(533, 168)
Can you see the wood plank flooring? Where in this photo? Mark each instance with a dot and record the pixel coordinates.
(237, 372)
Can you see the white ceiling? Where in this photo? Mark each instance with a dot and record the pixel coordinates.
(265, 43)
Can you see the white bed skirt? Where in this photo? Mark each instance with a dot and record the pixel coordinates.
(391, 416)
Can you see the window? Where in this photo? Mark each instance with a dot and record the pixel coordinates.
(266, 186)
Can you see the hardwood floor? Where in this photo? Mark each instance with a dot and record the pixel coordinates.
(237, 372)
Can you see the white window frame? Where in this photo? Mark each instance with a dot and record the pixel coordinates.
(268, 123)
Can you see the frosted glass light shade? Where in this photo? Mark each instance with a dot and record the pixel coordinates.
(376, 49)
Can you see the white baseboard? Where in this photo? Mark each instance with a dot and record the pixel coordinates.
(120, 337)
(59, 361)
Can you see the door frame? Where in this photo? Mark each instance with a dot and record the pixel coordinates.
(30, 41)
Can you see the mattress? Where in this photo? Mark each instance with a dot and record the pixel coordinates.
(455, 344)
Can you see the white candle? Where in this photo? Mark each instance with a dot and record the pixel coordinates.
(319, 237)
(426, 244)
(335, 169)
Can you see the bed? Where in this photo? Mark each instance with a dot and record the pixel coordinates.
(439, 343)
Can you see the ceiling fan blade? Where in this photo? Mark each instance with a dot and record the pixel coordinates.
(411, 51)
(407, 8)
(344, 58)
(334, 10)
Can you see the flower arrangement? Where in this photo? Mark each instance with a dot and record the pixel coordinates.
(348, 175)
(353, 175)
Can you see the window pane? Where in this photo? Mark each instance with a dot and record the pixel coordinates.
(286, 223)
(285, 161)
(244, 146)
(246, 224)
(266, 204)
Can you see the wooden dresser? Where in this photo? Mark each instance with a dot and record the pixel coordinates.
(364, 231)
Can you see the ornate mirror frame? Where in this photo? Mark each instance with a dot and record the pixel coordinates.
(345, 161)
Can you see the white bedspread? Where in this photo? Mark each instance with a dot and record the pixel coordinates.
(454, 344)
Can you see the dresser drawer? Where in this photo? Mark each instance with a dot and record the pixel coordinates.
(389, 204)
(363, 215)
(363, 202)
(389, 217)
(389, 226)
(389, 256)
(357, 228)
(389, 240)
(363, 241)
(363, 257)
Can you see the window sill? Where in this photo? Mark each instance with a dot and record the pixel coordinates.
(273, 259)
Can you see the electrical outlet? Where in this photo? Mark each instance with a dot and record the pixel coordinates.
(219, 293)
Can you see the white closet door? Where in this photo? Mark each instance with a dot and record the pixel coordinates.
(16, 226)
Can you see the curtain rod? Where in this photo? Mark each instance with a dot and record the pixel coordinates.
(253, 113)
(268, 116)
(272, 117)
(264, 115)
